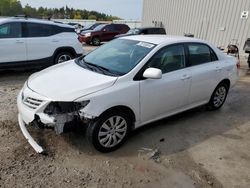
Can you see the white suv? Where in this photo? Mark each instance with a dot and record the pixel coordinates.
(34, 42)
(125, 84)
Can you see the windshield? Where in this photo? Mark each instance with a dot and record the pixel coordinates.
(133, 31)
(117, 57)
(88, 26)
(99, 27)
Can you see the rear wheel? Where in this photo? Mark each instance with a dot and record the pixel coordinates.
(96, 41)
(62, 57)
(218, 97)
(109, 132)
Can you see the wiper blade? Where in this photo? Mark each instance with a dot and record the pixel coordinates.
(85, 64)
(100, 68)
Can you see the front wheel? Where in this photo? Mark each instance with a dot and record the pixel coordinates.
(218, 97)
(96, 41)
(109, 131)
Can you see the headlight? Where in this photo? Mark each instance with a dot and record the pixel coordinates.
(87, 34)
(64, 107)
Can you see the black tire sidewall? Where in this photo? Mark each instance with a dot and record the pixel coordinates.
(211, 102)
(95, 125)
(96, 38)
(60, 54)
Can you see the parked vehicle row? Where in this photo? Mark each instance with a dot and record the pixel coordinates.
(26, 42)
(125, 84)
(97, 33)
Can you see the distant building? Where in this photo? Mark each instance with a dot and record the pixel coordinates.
(217, 21)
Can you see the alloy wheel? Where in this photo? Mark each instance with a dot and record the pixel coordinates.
(63, 58)
(219, 96)
(112, 131)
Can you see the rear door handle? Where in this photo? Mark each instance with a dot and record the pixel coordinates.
(185, 77)
(19, 42)
(218, 69)
(54, 40)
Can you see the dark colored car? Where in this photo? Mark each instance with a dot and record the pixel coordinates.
(90, 27)
(247, 50)
(144, 31)
(101, 33)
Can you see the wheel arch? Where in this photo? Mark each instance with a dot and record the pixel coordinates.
(225, 81)
(121, 108)
(64, 49)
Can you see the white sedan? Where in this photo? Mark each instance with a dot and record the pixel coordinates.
(125, 84)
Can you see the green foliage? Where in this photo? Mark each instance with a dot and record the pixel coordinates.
(10, 7)
(14, 7)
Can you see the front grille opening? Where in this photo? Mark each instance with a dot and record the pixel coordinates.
(32, 102)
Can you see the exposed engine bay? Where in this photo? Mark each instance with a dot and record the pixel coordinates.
(63, 113)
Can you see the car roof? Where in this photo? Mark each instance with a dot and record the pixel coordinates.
(33, 20)
(162, 39)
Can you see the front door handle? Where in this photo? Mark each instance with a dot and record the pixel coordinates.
(54, 40)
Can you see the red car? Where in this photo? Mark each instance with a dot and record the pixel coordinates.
(103, 32)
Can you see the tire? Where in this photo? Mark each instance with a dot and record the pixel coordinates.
(96, 41)
(103, 137)
(62, 57)
(218, 97)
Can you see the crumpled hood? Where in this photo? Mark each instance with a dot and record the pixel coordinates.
(68, 81)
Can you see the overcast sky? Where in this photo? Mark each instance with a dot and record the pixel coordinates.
(127, 9)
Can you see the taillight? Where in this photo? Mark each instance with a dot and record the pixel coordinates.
(238, 64)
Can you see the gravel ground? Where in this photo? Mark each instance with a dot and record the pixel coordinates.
(197, 148)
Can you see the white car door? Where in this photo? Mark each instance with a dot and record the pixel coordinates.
(41, 42)
(168, 95)
(12, 45)
(205, 70)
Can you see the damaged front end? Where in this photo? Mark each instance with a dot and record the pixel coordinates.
(65, 113)
(51, 115)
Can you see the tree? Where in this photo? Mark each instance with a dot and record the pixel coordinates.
(10, 8)
(92, 17)
(77, 15)
(14, 7)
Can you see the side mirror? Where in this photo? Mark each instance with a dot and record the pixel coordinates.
(104, 30)
(152, 73)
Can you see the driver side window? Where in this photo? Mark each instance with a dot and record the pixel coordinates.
(169, 59)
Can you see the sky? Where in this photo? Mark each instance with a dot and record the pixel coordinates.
(126, 9)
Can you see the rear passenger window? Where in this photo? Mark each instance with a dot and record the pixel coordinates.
(118, 27)
(39, 30)
(109, 28)
(200, 53)
(11, 30)
(169, 59)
